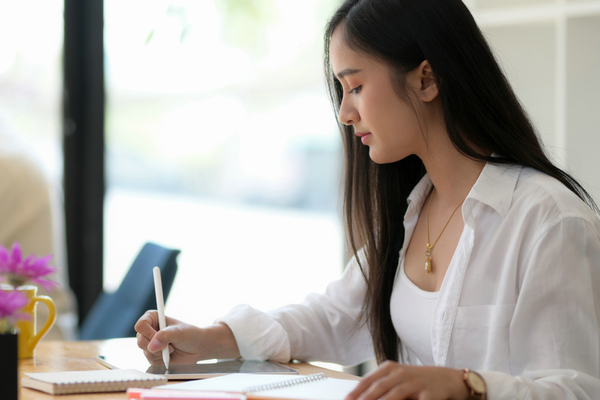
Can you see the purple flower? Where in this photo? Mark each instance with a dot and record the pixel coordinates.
(10, 303)
(18, 271)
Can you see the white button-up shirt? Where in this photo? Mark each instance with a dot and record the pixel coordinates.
(520, 302)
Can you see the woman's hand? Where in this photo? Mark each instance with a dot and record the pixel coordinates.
(187, 343)
(396, 381)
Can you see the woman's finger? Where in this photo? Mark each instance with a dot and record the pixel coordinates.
(153, 359)
(361, 388)
(142, 341)
(162, 339)
(380, 387)
(407, 390)
(147, 325)
(383, 370)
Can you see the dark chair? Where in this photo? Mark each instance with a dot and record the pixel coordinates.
(114, 315)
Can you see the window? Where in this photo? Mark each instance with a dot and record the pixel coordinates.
(221, 142)
(30, 77)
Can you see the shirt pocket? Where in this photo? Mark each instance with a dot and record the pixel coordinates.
(480, 338)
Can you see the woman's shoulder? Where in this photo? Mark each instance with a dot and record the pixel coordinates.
(540, 195)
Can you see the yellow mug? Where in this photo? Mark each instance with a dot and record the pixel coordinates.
(28, 338)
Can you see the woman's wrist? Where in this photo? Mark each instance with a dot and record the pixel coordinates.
(462, 390)
(475, 385)
(221, 341)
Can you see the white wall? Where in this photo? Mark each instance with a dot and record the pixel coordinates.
(550, 51)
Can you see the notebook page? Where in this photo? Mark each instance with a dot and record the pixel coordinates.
(228, 383)
(326, 389)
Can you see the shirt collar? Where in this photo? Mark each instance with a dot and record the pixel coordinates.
(494, 187)
(417, 196)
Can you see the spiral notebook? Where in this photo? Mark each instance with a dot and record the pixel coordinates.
(308, 387)
(90, 381)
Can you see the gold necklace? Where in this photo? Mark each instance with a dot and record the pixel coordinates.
(428, 264)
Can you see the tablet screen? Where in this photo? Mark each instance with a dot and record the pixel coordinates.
(207, 369)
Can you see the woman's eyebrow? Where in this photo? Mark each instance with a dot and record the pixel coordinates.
(346, 72)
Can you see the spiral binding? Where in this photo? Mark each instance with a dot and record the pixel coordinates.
(285, 384)
(85, 386)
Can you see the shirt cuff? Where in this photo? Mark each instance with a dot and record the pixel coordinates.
(502, 386)
(258, 336)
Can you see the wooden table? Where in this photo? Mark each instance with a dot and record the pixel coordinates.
(52, 356)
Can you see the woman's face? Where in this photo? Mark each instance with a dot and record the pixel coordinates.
(379, 117)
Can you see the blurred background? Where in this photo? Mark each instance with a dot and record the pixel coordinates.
(216, 136)
(221, 142)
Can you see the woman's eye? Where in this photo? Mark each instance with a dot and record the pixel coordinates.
(356, 90)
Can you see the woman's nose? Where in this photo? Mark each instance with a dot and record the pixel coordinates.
(348, 115)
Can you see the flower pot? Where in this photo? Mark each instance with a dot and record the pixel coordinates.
(9, 365)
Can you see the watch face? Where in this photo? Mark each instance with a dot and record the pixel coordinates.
(476, 382)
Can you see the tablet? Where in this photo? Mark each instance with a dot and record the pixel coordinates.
(203, 369)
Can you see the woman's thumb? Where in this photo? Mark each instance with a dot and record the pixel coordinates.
(159, 341)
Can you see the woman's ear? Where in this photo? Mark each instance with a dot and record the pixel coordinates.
(428, 86)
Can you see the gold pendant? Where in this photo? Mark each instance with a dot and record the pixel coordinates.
(428, 265)
(428, 259)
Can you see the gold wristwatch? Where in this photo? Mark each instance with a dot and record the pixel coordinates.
(475, 384)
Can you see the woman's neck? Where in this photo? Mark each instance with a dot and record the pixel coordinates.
(452, 174)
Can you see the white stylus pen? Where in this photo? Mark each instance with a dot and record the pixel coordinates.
(160, 305)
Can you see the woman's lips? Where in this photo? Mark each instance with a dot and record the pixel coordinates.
(363, 136)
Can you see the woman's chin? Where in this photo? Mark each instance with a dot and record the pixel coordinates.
(379, 158)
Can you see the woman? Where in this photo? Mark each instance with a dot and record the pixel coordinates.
(472, 250)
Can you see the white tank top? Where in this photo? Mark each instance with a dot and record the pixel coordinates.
(412, 315)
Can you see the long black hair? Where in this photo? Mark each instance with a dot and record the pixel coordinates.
(482, 116)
